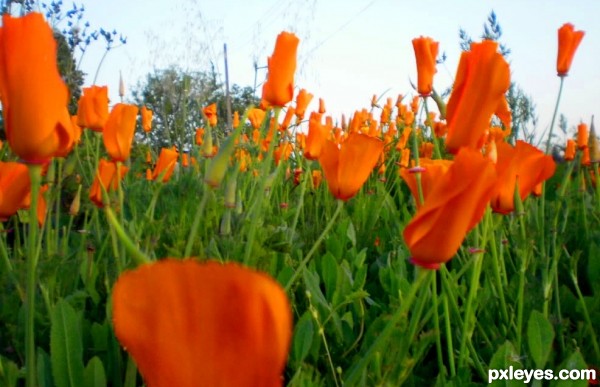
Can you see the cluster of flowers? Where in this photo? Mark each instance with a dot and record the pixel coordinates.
(247, 311)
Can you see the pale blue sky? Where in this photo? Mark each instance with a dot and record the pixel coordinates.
(350, 50)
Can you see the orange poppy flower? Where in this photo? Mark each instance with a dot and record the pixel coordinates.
(200, 136)
(426, 51)
(34, 96)
(348, 166)
(92, 108)
(211, 114)
(106, 178)
(568, 41)
(321, 106)
(236, 120)
(165, 165)
(317, 178)
(302, 100)
(432, 172)
(570, 150)
(287, 119)
(523, 163)
(14, 188)
(482, 79)
(187, 323)
(118, 131)
(278, 89)
(454, 205)
(316, 137)
(146, 119)
(583, 136)
(256, 117)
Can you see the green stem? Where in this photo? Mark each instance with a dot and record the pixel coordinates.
(562, 80)
(138, 257)
(356, 371)
(35, 176)
(196, 224)
(448, 327)
(436, 144)
(436, 323)
(340, 205)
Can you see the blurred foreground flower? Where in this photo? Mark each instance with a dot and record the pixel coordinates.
(454, 205)
(568, 41)
(187, 323)
(34, 96)
(348, 166)
(278, 89)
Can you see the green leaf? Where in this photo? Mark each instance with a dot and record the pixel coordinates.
(66, 349)
(44, 369)
(9, 372)
(351, 233)
(329, 270)
(573, 362)
(94, 374)
(303, 337)
(504, 358)
(593, 269)
(540, 335)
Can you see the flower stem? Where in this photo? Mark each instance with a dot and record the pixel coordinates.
(562, 80)
(35, 176)
(340, 205)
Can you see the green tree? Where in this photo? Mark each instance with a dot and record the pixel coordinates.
(177, 98)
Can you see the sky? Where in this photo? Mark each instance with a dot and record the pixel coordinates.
(349, 50)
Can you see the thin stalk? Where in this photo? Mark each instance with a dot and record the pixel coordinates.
(35, 176)
(562, 80)
(340, 205)
(436, 323)
(196, 224)
(138, 257)
(356, 371)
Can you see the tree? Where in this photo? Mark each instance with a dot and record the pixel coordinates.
(177, 98)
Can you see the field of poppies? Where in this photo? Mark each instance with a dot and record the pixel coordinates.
(417, 241)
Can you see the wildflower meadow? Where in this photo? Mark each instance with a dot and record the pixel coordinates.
(235, 240)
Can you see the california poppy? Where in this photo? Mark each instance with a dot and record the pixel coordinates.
(92, 108)
(426, 51)
(316, 137)
(106, 179)
(211, 114)
(34, 96)
(524, 164)
(14, 188)
(431, 173)
(568, 41)
(302, 100)
(583, 136)
(256, 117)
(146, 119)
(278, 89)
(347, 166)
(570, 150)
(119, 130)
(165, 165)
(482, 79)
(454, 205)
(187, 323)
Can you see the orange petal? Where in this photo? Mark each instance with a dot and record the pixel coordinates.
(203, 324)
